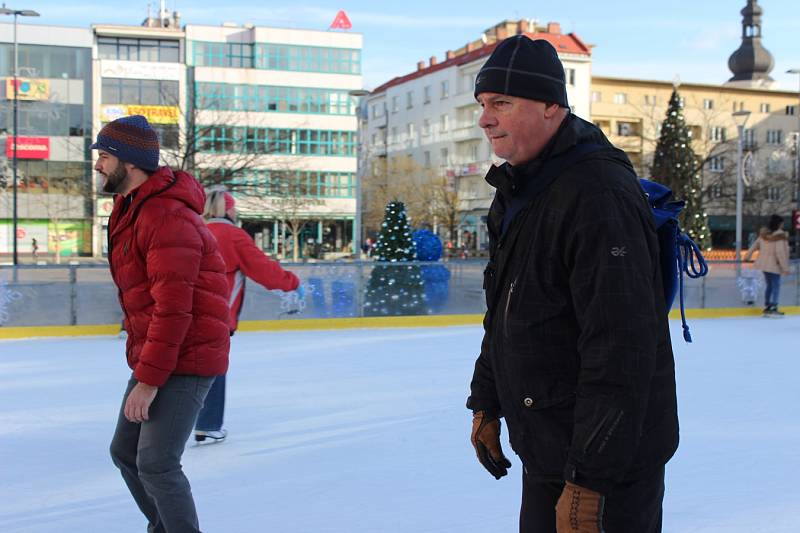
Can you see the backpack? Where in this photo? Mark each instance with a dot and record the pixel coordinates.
(678, 253)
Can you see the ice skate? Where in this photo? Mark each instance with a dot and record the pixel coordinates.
(210, 437)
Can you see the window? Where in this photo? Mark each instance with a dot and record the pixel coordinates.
(620, 98)
(426, 94)
(650, 99)
(445, 89)
(409, 99)
(394, 134)
(410, 131)
(763, 108)
(39, 61)
(234, 97)
(749, 138)
(708, 103)
(717, 134)
(307, 58)
(427, 159)
(791, 110)
(569, 74)
(141, 92)
(626, 129)
(395, 104)
(444, 123)
(716, 191)
(597, 96)
(288, 141)
(738, 106)
(445, 154)
(774, 194)
(774, 136)
(473, 152)
(138, 49)
(716, 163)
(426, 127)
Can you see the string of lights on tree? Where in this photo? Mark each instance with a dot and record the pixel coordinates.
(676, 166)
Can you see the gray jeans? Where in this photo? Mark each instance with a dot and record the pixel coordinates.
(149, 454)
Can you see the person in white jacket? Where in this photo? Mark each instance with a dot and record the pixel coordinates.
(773, 260)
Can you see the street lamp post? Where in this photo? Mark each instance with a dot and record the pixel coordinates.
(357, 237)
(16, 13)
(797, 161)
(740, 117)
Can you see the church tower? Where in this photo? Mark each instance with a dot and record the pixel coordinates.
(751, 63)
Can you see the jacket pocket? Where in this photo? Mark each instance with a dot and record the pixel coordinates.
(547, 431)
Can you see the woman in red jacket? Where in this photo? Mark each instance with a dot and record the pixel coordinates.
(242, 259)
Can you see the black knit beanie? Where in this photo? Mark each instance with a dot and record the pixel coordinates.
(525, 68)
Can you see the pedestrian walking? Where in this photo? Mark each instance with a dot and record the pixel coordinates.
(243, 260)
(576, 355)
(172, 288)
(772, 245)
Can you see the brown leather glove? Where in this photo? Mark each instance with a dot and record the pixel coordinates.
(579, 510)
(486, 441)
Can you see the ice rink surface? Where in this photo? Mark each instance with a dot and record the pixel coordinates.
(365, 431)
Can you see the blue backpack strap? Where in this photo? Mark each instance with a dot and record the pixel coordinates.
(688, 252)
(551, 170)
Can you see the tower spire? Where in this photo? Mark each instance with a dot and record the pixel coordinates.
(751, 63)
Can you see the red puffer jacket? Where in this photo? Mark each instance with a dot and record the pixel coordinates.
(243, 258)
(171, 280)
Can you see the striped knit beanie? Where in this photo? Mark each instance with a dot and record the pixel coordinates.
(132, 140)
(525, 68)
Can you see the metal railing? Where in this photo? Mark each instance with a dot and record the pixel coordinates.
(85, 294)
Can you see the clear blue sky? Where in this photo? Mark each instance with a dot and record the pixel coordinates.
(634, 38)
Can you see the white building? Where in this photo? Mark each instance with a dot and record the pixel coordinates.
(273, 110)
(431, 115)
(138, 70)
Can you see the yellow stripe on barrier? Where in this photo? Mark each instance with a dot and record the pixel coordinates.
(28, 332)
(361, 322)
(724, 312)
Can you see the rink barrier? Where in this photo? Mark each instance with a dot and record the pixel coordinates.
(29, 332)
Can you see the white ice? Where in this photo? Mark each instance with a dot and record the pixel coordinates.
(365, 431)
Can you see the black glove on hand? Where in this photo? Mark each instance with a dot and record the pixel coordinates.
(486, 441)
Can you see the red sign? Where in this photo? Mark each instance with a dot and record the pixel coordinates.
(796, 219)
(29, 147)
(341, 22)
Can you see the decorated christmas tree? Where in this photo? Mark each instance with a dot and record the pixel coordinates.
(395, 289)
(675, 165)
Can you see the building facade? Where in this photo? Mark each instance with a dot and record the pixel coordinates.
(630, 112)
(139, 70)
(274, 118)
(422, 131)
(54, 95)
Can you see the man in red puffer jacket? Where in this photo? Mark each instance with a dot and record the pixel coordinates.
(173, 291)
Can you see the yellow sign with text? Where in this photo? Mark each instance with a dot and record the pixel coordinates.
(155, 114)
(28, 89)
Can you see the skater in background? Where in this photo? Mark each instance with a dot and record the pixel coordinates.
(172, 287)
(242, 259)
(773, 260)
(35, 248)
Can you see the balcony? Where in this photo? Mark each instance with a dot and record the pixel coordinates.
(465, 131)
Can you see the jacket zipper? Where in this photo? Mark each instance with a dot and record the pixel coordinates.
(508, 305)
(594, 434)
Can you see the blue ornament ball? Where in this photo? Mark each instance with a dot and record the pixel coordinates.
(429, 246)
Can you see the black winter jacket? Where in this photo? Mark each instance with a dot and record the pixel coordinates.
(576, 352)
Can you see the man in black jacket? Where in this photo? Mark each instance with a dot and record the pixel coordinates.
(576, 354)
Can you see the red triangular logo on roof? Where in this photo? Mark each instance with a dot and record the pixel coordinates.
(341, 22)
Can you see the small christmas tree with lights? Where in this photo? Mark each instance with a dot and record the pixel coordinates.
(675, 165)
(395, 289)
